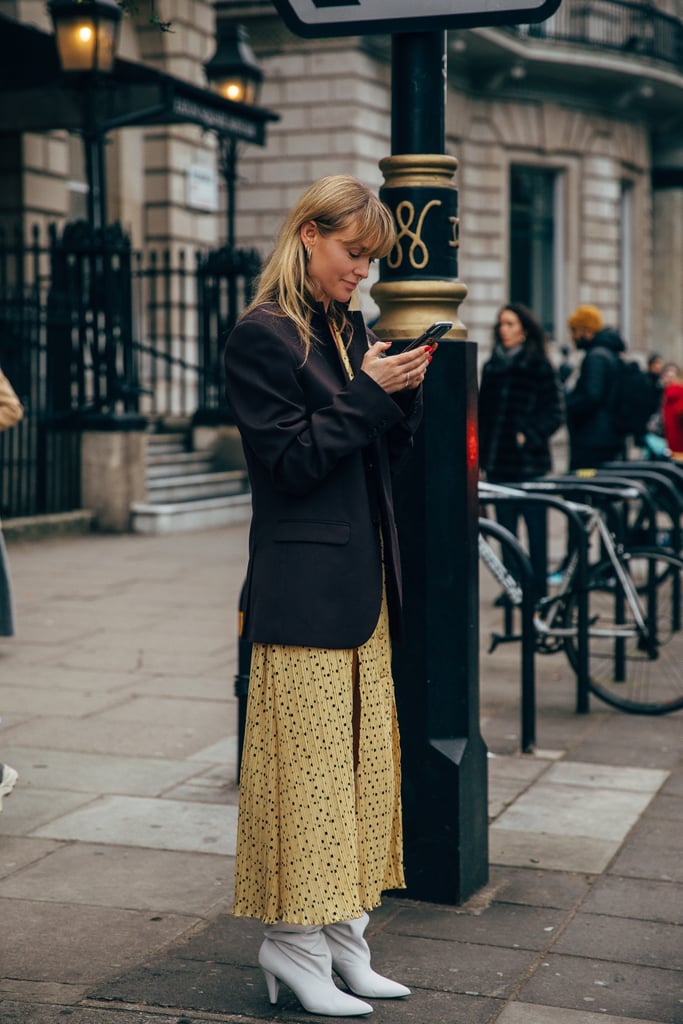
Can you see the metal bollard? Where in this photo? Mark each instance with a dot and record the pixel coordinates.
(241, 679)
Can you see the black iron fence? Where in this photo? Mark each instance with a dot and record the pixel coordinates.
(614, 25)
(87, 326)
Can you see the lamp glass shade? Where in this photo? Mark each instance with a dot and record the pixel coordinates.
(86, 34)
(233, 71)
(237, 88)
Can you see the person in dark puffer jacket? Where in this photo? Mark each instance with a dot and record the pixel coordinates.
(520, 408)
(592, 435)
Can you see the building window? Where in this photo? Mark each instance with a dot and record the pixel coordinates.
(533, 241)
(77, 186)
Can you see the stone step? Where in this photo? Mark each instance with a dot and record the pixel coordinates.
(161, 444)
(176, 464)
(191, 486)
(177, 517)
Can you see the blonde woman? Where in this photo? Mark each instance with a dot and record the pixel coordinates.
(325, 413)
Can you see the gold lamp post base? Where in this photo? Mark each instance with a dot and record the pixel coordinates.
(408, 307)
(419, 282)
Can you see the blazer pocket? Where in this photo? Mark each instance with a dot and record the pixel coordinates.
(311, 531)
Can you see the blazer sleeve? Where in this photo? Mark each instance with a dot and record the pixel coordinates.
(299, 448)
(400, 437)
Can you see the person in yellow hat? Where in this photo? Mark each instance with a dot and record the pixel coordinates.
(593, 438)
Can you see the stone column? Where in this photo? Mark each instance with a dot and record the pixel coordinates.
(113, 469)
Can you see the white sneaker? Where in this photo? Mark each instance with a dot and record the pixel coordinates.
(8, 776)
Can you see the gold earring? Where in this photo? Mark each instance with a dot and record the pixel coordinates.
(308, 251)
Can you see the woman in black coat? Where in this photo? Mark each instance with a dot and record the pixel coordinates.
(520, 408)
(325, 413)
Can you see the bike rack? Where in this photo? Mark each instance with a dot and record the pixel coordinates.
(578, 533)
(644, 480)
(669, 500)
(526, 578)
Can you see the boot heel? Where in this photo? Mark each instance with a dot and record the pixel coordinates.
(272, 984)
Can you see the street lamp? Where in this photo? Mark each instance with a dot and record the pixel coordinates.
(86, 35)
(234, 73)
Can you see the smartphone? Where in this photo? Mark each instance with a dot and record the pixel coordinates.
(432, 333)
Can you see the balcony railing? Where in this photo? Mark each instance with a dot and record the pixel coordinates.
(628, 28)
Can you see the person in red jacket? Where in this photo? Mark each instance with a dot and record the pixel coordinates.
(672, 416)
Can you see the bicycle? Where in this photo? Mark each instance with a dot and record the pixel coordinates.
(634, 614)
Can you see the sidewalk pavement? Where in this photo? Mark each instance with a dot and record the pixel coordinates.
(116, 845)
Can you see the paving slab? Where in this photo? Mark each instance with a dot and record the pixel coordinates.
(62, 680)
(227, 989)
(625, 990)
(219, 686)
(523, 768)
(452, 966)
(625, 940)
(538, 888)
(130, 878)
(127, 738)
(674, 784)
(158, 824)
(16, 852)
(500, 924)
(79, 945)
(575, 810)
(64, 770)
(29, 809)
(29, 993)
(215, 785)
(196, 716)
(636, 898)
(600, 776)
(552, 852)
(26, 1013)
(651, 853)
(70, 703)
(528, 1013)
(223, 752)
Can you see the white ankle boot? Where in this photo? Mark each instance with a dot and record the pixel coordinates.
(299, 956)
(351, 960)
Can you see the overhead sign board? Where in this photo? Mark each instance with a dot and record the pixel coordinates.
(314, 18)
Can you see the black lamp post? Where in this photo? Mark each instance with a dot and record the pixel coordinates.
(86, 35)
(234, 73)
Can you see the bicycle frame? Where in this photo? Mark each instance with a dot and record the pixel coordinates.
(544, 623)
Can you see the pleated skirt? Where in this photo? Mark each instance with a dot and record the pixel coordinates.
(319, 831)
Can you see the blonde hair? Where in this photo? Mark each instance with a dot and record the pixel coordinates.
(335, 203)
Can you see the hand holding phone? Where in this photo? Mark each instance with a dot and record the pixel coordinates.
(432, 334)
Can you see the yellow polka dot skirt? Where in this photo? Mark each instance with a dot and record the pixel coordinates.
(318, 840)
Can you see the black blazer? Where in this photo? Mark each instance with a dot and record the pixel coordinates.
(319, 451)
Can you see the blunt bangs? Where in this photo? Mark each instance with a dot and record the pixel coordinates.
(373, 228)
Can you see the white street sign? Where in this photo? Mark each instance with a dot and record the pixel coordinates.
(364, 17)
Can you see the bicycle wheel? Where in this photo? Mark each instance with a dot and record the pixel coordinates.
(636, 673)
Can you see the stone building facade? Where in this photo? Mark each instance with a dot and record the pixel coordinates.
(570, 187)
(570, 179)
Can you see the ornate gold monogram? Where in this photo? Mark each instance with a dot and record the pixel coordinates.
(418, 253)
